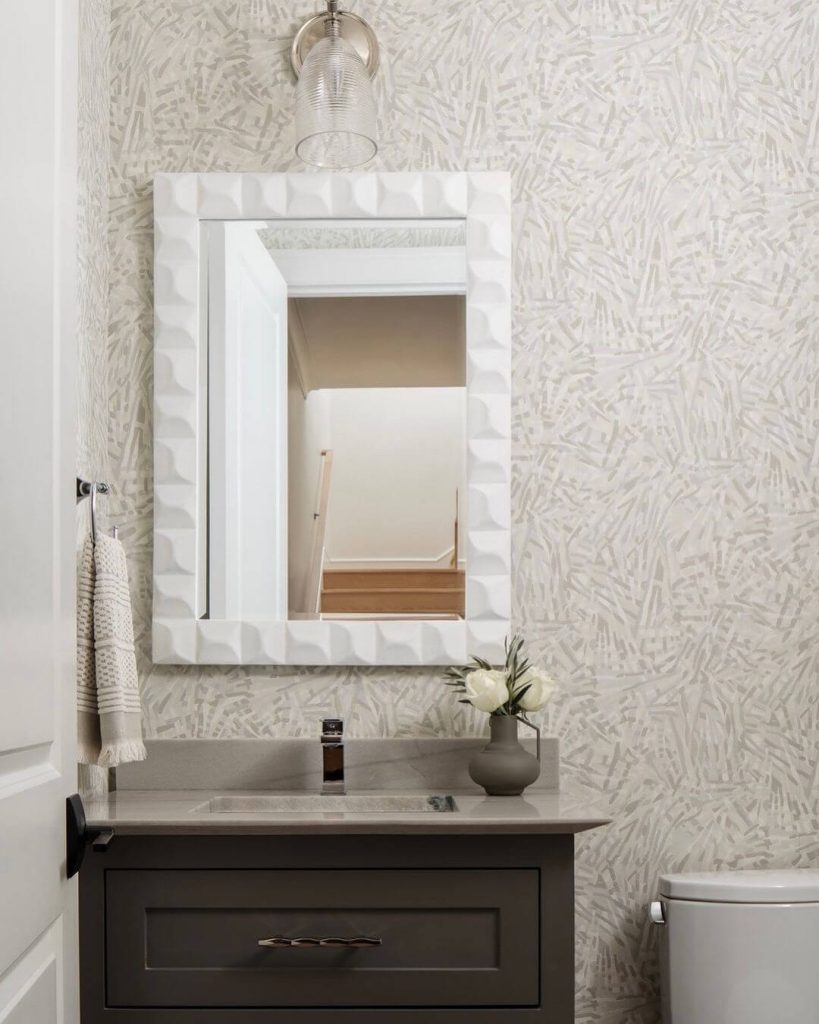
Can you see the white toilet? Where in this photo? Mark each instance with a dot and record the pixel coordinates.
(740, 947)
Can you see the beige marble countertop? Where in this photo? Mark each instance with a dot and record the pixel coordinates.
(186, 812)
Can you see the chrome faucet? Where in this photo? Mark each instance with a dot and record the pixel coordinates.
(332, 754)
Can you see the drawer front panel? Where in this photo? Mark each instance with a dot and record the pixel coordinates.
(447, 938)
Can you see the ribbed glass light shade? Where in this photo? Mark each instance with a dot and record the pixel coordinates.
(335, 107)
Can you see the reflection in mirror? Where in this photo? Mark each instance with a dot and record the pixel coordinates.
(337, 419)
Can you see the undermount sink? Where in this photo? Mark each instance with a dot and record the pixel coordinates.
(316, 803)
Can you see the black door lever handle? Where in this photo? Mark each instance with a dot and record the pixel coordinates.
(78, 835)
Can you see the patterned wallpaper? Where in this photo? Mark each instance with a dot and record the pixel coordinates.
(92, 242)
(666, 376)
(398, 236)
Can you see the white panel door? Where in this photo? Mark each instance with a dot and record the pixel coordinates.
(247, 413)
(38, 125)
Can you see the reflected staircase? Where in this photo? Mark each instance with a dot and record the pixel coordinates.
(430, 593)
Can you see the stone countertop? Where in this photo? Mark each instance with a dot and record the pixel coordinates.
(186, 812)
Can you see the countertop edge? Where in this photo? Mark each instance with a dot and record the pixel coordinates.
(270, 828)
(188, 813)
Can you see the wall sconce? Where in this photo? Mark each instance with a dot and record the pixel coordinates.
(335, 56)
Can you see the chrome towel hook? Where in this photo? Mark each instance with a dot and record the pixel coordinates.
(90, 489)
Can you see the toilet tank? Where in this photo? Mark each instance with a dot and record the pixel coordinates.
(739, 947)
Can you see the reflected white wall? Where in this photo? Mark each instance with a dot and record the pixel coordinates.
(398, 459)
(308, 434)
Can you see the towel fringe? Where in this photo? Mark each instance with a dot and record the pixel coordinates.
(114, 754)
(86, 756)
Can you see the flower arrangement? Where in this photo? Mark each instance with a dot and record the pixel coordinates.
(514, 690)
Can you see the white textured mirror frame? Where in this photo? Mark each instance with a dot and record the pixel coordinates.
(181, 202)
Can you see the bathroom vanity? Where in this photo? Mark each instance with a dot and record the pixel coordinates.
(231, 907)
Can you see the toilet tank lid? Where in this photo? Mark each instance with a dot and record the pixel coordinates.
(797, 885)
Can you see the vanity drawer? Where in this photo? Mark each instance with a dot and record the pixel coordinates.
(449, 938)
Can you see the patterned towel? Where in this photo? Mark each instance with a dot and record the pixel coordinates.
(109, 714)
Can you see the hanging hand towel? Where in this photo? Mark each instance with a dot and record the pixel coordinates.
(109, 713)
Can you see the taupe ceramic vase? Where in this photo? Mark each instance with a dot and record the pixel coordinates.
(503, 767)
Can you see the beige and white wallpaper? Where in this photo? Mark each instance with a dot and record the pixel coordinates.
(666, 409)
(92, 241)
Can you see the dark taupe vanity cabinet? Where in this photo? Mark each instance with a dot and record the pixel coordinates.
(472, 928)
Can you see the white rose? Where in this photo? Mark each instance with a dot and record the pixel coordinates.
(541, 689)
(486, 689)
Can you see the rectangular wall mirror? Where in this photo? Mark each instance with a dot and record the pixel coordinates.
(332, 418)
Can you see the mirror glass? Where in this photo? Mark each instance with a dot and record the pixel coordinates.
(335, 397)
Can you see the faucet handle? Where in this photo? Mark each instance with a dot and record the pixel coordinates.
(332, 728)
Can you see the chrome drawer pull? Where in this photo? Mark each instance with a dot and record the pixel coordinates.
(305, 942)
